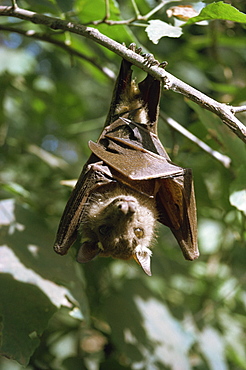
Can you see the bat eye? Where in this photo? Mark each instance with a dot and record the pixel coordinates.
(139, 232)
(104, 229)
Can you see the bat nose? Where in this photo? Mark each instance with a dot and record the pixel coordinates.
(127, 205)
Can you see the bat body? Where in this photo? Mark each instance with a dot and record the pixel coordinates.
(128, 183)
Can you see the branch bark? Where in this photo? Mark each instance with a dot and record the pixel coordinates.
(225, 112)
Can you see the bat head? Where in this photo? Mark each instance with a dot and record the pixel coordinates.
(120, 223)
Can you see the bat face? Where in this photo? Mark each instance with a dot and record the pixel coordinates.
(120, 223)
(129, 183)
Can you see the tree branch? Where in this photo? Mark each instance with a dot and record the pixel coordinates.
(225, 112)
(223, 159)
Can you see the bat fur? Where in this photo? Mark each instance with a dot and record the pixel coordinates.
(120, 223)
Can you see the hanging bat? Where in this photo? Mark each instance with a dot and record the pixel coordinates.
(129, 183)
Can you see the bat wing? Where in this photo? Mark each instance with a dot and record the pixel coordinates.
(129, 151)
(177, 210)
(134, 162)
(93, 176)
(175, 197)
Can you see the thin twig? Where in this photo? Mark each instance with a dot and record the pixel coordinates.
(14, 3)
(136, 10)
(240, 109)
(111, 22)
(107, 10)
(224, 159)
(127, 22)
(225, 112)
(155, 10)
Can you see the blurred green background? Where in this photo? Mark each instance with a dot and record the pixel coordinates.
(107, 314)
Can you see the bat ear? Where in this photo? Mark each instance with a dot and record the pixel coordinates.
(142, 257)
(87, 252)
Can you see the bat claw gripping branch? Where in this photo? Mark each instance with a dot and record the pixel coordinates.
(150, 61)
(133, 47)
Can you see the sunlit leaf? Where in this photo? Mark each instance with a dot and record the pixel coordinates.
(16, 62)
(210, 235)
(12, 265)
(147, 321)
(7, 211)
(213, 347)
(172, 342)
(158, 29)
(7, 215)
(219, 10)
(27, 254)
(238, 200)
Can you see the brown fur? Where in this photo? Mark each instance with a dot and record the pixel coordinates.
(121, 222)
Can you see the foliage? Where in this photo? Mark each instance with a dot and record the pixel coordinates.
(57, 314)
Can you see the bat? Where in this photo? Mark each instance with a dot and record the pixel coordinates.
(129, 183)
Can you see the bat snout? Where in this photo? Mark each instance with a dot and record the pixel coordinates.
(127, 204)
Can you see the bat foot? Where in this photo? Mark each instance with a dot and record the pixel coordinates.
(134, 48)
(163, 64)
(150, 61)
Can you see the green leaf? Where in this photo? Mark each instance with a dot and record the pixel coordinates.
(26, 253)
(32, 279)
(219, 10)
(43, 6)
(16, 189)
(88, 11)
(158, 29)
(25, 312)
(65, 5)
